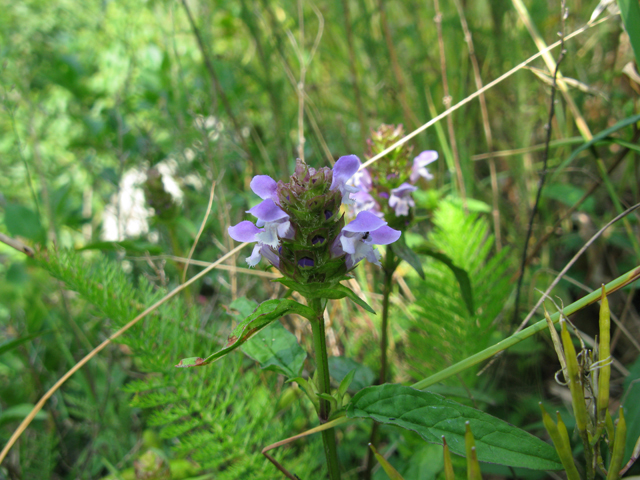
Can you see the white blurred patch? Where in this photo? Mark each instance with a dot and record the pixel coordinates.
(127, 215)
(167, 169)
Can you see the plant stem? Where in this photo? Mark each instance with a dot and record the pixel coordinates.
(324, 386)
(388, 268)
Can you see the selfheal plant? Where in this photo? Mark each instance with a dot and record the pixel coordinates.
(386, 187)
(300, 230)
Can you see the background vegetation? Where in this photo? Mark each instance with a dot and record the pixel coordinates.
(118, 117)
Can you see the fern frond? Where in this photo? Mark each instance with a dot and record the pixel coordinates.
(445, 332)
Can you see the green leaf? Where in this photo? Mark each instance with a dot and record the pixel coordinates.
(473, 205)
(11, 344)
(266, 313)
(346, 383)
(630, 13)
(432, 416)
(243, 306)
(568, 195)
(631, 397)
(309, 389)
(275, 348)
(340, 367)
(17, 413)
(332, 291)
(401, 249)
(600, 136)
(461, 275)
(24, 222)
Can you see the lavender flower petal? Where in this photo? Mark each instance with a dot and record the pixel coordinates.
(270, 255)
(364, 222)
(383, 236)
(268, 211)
(270, 235)
(343, 170)
(362, 180)
(364, 201)
(255, 257)
(285, 230)
(401, 199)
(245, 231)
(419, 165)
(264, 186)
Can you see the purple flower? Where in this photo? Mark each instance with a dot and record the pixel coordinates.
(364, 201)
(271, 217)
(420, 163)
(246, 231)
(345, 168)
(362, 180)
(275, 222)
(264, 186)
(358, 237)
(401, 199)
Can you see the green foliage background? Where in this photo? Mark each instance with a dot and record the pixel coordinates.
(92, 91)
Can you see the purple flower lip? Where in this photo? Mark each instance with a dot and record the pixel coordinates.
(268, 211)
(384, 195)
(345, 168)
(358, 237)
(264, 186)
(401, 199)
(420, 163)
(246, 231)
(306, 262)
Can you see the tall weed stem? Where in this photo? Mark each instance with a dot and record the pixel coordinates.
(324, 386)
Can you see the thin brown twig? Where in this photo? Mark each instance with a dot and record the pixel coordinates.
(447, 103)
(204, 222)
(559, 277)
(38, 406)
(354, 73)
(617, 160)
(320, 428)
(395, 67)
(495, 213)
(614, 317)
(545, 159)
(476, 94)
(218, 88)
(292, 80)
(17, 244)
(200, 263)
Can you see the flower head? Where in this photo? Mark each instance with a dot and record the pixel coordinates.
(299, 223)
(386, 187)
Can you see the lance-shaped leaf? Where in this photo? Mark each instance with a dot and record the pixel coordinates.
(401, 249)
(460, 274)
(266, 313)
(276, 348)
(432, 416)
(332, 291)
